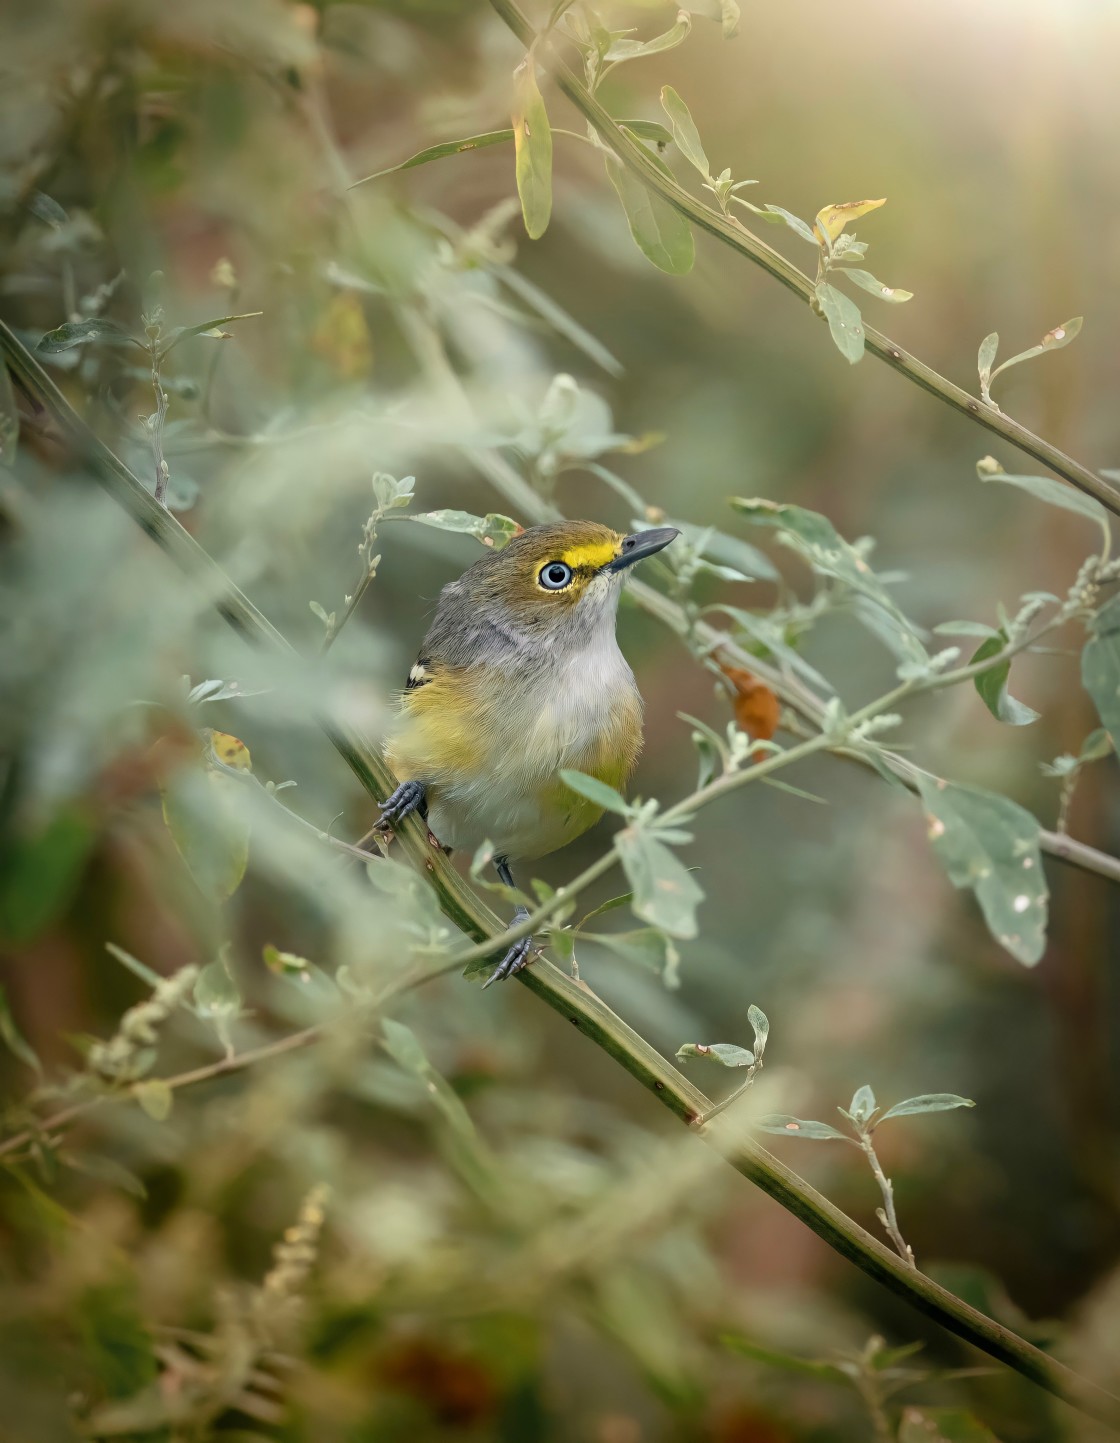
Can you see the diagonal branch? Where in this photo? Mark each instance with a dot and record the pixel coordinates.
(638, 160)
(571, 999)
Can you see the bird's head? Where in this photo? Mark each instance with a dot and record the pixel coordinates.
(565, 573)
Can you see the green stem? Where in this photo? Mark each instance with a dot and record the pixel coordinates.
(887, 1214)
(638, 160)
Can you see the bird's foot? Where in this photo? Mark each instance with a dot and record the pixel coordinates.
(517, 957)
(408, 798)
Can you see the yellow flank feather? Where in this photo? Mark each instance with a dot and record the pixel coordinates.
(488, 753)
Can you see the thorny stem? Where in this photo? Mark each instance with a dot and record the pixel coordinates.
(886, 1214)
(638, 160)
(576, 1002)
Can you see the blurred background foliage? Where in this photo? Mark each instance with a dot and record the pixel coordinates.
(340, 1243)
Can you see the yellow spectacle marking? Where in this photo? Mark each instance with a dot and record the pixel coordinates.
(594, 555)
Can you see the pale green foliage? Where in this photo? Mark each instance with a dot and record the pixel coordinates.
(490, 1196)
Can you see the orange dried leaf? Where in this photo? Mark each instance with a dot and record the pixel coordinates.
(757, 709)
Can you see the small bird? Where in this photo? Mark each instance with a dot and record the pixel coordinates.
(520, 677)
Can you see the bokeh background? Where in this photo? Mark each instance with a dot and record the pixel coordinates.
(573, 1271)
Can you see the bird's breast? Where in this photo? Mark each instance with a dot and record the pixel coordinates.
(490, 749)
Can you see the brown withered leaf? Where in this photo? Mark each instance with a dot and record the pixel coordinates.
(757, 709)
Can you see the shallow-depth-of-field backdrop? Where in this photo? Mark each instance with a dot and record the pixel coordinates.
(271, 1167)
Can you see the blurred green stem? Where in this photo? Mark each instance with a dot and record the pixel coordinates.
(637, 159)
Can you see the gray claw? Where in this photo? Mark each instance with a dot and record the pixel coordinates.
(517, 957)
(409, 797)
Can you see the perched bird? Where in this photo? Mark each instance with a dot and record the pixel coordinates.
(519, 677)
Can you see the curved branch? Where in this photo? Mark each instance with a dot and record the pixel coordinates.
(638, 160)
(573, 1000)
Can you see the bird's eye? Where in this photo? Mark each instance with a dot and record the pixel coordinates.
(555, 575)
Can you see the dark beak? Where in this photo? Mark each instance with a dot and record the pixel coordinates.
(641, 545)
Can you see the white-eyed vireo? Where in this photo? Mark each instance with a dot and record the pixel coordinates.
(519, 677)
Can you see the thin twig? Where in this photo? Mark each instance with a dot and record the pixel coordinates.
(887, 1215)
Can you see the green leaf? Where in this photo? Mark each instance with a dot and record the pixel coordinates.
(787, 1126)
(1096, 746)
(730, 15)
(815, 538)
(210, 828)
(867, 282)
(107, 1322)
(9, 418)
(611, 905)
(684, 130)
(648, 947)
(648, 130)
(1052, 341)
(661, 233)
(104, 1169)
(437, 152)
(763, 634)
(788, 1362)
(777, 215)
(48, 210)
(13, 1039)
(155, 1097)
(146, 974)
(77, 333)
(1100, 667)
(927, 1102)
(555, 316)
(990, 844)
(404, 1047)
(725, 1052)
(665, 894)
(985, 359)
(204, 328)
(39, 874)
(215, 992)
(942, 1425)
(532, 139)
(760, 1025)
(493, 529)
(992, 685)
(844, 321)
(862, 1106)
(284, 963)
(1045, 488)
(964, 628)
(596, 791)
(626, 49)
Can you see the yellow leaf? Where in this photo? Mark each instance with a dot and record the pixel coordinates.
(231, 750)
(833, 218)
(342, 338)
(532, 141)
